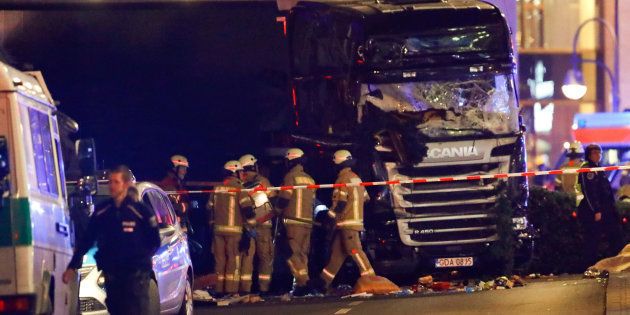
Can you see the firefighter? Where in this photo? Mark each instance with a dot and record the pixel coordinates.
(597, 211)
(297, 204)
(227, 206)
(568, 182)
(347, 213)
(262, 246)
(127, 269)
(175, 181)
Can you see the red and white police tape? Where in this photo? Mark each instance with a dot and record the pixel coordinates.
(412, 180)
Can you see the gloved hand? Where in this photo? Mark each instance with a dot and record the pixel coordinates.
(328, 221)
(243, 245)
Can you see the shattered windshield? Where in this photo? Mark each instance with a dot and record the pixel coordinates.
(478, 104)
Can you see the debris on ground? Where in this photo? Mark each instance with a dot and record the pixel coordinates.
(285, 297)
(426, 281)
(375, 285)
(615, 264)
(202, 295)
(441, 286)
(343, 290)
(518, 281)
(358, 295)
(503, 282)
(595, 273)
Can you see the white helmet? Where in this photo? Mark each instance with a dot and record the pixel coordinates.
(341, 156)
(233, 166)
(294, 153)
(248, 160)
(179, 160)
(575, 147)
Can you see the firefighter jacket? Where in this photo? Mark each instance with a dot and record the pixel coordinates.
(226, 207)
(351, 216)
(180, 201)
(300, 200)
(598, 195)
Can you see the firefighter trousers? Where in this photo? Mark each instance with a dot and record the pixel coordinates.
(299, 239)
(262, 247)
(264, 251)
(346, 243)
(227, 262)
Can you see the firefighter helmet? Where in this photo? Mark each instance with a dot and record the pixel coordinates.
(247, 160)
(342, 156)
(179, 160)
(575, 149)
(294, 153)
(233, 166)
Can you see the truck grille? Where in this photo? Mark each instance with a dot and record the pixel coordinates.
(452, 213)
(89, 304)
(453, 230)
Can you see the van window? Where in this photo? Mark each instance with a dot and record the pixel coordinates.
(162, 208)
(43, 152)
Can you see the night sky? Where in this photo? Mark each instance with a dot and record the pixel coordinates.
(205, 81)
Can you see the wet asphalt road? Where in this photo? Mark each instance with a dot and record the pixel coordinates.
(557, 295)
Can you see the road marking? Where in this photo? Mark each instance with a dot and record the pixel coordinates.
(343, 311)
(355, 303)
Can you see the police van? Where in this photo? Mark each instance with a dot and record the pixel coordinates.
(35, 238)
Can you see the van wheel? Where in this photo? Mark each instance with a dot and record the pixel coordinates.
(187, 301)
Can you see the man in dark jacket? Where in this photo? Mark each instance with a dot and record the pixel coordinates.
(175, 181)
(597, 211)
(127, 236)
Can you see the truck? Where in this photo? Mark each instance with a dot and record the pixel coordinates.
(416, 89)
(35, 226)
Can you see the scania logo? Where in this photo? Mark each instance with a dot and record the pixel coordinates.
(453, 152)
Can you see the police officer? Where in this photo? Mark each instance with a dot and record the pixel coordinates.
(127, 269)
(297, 204)
(174, 181)
(227, 206)
(263, 244)
(347, 212)
(568, 182)
(597, 211)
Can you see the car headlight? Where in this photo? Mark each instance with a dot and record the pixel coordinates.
(520, 223)
(101, 281)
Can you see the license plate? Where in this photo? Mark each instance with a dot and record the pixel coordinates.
(454, 262)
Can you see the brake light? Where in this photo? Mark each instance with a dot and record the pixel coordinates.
(15, 305)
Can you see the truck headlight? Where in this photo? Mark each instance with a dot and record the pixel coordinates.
(101, 281)
(519, 223)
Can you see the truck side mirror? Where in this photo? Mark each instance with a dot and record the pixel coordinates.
(86, 153)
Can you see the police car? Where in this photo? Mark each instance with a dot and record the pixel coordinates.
(172, 266)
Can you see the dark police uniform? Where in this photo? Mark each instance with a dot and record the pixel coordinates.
(127, 237)
(598, 197)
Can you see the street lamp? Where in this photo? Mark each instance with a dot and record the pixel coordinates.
(574, 87)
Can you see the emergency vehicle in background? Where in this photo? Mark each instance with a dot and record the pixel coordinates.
(35, 235)
(612, 132)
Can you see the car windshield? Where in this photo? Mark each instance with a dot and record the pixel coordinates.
(481, 104)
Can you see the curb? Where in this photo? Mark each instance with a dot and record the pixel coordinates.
(618, 294)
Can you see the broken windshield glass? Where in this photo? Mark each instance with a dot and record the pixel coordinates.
(474, 105)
